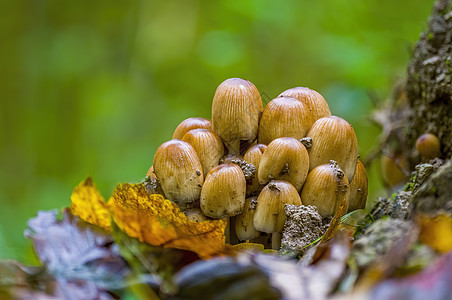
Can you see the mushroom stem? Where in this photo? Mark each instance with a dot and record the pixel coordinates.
(227, 231)
(233, 147)
(276, 240)
(233, 239)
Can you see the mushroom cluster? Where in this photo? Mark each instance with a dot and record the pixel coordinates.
(249, 161)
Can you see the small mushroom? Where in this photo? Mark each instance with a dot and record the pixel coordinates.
(358, 188)
(269, 215)
(394, 168)
(195, 215)
(223, 193)
(208, 146)
(428, 145)
(253, 156)
(151, 173)
(284, 159)
(189, 124)
(236, 110)
(179, 171)
(244, 226)
(333, 138)
(326, 188)
(312, 99)
(284, 117)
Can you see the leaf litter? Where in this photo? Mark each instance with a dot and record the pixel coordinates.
(142, 243)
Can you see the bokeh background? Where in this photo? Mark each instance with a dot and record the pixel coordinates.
(91, 88)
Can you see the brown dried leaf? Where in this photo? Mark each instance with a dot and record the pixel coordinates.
(159, 222)
(436, 231)
(88, 204)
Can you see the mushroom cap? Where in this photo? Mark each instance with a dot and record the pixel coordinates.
(208, 146)
(285, 159)
(179, 171)
(333, 138)
(189, 124)
(326, 188)
(284, 117)
(244, 226)
(195, 215)
(394, 169)
(236, 110)
(223, 192)
(269, 215)
(150, 172)
(358, 188)
(253, 156)
(312, 99)
(428, 145)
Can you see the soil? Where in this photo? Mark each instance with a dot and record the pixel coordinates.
(303, 226)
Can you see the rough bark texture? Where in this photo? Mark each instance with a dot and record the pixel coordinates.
(429, 84)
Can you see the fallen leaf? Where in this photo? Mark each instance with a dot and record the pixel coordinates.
(82, 258)
(432, 283)
(21, 282)
(159, 222)
(296, 280)
(436, 231)
(225, 278)
(156, 263)
(149, 218)
(88, 204)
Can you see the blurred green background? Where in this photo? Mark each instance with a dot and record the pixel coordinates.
(93, 87)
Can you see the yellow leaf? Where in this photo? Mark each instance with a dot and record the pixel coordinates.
(436, 232)
(159, 222)
(89, 205)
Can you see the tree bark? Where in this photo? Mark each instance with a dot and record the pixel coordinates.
(429, 85)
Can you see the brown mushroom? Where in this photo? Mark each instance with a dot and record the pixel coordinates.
(190, 124)
(312, 99)
(269, 215)
(179, 171)
(253, 156)
(236, 110)
(285, 159)
(208, 146)
(284, 117)
(333, 138)
(326, 188)
(358, 188)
